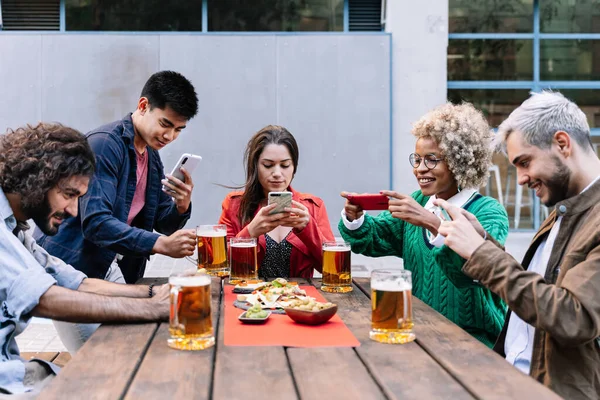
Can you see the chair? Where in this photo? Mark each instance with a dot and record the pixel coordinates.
(494, 170)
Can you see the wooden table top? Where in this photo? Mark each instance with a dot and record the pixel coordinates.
(134, 362)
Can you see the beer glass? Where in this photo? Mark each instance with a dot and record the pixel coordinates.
(242, 260)
(190, 323)
(212, 249)
(391, 305)
(336, 267)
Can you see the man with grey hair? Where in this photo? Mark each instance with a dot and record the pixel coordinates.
(552, 329)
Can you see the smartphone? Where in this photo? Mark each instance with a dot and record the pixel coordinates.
(187, 161)
(369, 201)
(282, 199)
(445, 214)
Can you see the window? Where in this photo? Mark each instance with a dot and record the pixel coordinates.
(133, 15)
(500, 50)
(276, 15)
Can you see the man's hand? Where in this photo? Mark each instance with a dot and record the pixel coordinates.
(297, 218)
(161, 300)
(263, 222)
(180, 244)
(180, 191)
(406, 208)
(461, 234)
(352, 210)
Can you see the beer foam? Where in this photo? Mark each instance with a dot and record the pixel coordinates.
(187, 281)
(242, 245)
(337, 249)
(211, 233)
(391, 286)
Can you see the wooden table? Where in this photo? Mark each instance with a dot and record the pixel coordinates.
(134, 362)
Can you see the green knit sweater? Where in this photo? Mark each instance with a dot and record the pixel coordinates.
(436, 272)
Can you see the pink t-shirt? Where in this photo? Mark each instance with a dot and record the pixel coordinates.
(139, 197)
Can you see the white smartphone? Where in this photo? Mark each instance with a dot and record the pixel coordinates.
(187, 161)
(282, 199)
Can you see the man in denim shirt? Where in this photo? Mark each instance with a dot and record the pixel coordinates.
(43, 172)
(113, 236)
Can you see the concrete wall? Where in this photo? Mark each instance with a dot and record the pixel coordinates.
(419, 46)
(331, 91)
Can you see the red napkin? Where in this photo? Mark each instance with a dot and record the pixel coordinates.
(281, 330)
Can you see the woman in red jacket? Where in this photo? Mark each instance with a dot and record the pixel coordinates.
(289, 243)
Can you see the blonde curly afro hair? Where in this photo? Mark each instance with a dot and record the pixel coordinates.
(464, 138)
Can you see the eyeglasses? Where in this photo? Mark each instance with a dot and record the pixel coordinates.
(430, 160)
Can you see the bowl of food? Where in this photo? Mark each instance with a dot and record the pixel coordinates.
(254, 315)
(311, 312)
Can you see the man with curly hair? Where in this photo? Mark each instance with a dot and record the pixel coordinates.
(44, 170)
(451, 160)
(552, 329)
(129, 198)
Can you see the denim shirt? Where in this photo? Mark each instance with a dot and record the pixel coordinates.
(91, 241)
(26, 272)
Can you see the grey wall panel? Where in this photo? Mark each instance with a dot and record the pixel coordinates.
(20, 80)
(235, 78)
(90, 80)
(334, 96)
(331, 91)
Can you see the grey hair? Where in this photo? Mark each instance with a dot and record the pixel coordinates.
(541, 116)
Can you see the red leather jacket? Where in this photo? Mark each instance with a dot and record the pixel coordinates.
(307, 253)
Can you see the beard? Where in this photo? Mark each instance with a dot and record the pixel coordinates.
(41, 214)
(558, 185)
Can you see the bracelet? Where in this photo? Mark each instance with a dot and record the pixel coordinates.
(150, 286)
(484, 235)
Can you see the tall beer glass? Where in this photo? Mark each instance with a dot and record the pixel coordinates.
(212, 249)
(190, 324)
(336, 267)
(242, 260)
(391, 304)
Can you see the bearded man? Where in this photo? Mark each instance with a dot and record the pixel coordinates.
(552, 328)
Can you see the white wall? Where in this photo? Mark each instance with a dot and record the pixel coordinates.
(419, 45)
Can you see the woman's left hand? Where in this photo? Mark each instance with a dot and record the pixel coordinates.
(406, 208)
(298, 217)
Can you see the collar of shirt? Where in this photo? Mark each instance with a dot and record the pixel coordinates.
(459, 200)
(6, 212)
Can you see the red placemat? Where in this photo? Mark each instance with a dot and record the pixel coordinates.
(280, 330)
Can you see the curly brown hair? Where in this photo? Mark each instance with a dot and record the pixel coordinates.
(34, 159)
(464, 138)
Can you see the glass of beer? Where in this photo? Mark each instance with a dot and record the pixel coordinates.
(212, 249)
(190, 323)
(391, 305)
(242, 260)
(336, 267)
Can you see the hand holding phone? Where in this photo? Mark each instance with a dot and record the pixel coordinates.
(187, 161)
(368, 201)
(282, 199)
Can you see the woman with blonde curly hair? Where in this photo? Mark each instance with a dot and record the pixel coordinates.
(451, 160)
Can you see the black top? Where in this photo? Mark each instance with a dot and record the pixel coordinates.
(276, 263)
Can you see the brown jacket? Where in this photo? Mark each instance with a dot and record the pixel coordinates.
(563, 305)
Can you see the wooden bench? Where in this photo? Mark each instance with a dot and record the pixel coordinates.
(56, 357)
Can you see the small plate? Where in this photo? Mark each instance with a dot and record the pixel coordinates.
(248, 288)
(254, 321)
(311, 317)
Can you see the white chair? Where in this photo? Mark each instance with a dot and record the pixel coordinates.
(494, 170)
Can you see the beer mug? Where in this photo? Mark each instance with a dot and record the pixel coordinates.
(212, 249)
(391, 306)
(336, 267)
(190, 322)
(242, 260)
